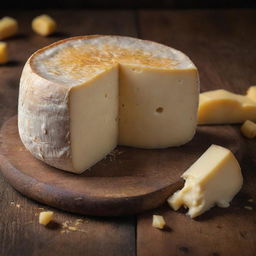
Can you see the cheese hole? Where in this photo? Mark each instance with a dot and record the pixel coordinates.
(159, 110)
(122, 105)
(106, 95)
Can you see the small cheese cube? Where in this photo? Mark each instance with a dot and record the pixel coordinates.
(8, 27)
(251, 93)
(158, 221)
(44, 25)
(3, 53)
(214, 179)
(248, 129)
(45, 217)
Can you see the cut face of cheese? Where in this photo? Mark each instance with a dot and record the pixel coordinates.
(224, 107)
(148, 107)
(93, 119)
(214, 179)
(81, 97)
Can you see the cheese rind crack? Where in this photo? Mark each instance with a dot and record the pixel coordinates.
(214, 179)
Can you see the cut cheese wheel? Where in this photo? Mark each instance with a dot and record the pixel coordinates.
(224, 107)
(82, 96)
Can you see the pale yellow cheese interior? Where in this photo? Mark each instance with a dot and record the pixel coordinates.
(94, 119)
(154, 104)
(214, 179)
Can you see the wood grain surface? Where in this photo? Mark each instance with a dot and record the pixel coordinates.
(222, 45)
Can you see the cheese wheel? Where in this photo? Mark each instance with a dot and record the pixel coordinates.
(81, 97)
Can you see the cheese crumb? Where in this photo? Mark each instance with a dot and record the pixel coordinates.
(72, 228)
(248, 208)
(45, 217)
(248, 129)
(8, 27)
(3, 53)
(158, 222)
(78, 222)
(44, 25)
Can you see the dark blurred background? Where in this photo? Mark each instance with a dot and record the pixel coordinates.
(131, 4)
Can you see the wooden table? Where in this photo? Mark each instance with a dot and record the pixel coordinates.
(222, 44)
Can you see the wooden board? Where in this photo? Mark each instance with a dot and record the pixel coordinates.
(128, 181)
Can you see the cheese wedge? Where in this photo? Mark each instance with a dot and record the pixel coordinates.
(82, 96)
(224, 107)
(214, 179)
(251, 93)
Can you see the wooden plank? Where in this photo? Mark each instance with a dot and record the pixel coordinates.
(20, 232)
(222, 45)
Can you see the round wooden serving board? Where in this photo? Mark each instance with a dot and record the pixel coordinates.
(127, 181)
